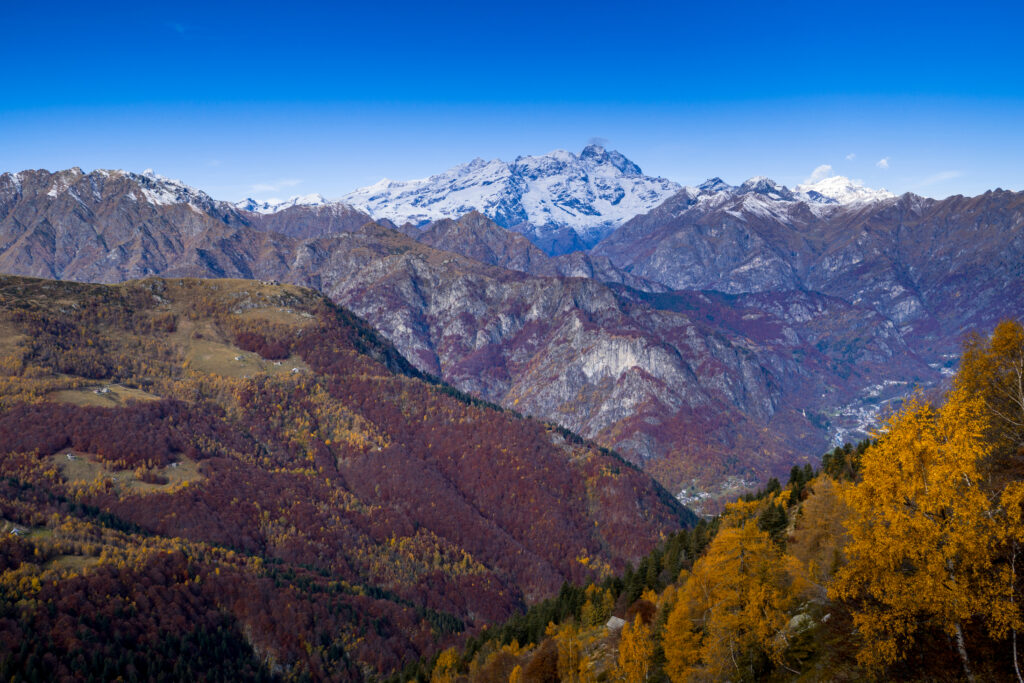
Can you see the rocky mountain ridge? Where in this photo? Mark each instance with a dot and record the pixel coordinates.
(935, 268)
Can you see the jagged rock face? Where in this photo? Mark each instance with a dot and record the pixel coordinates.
(562, 202)
(681, 382)
(570, 350)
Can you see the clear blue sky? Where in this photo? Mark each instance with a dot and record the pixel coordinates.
(253, 99)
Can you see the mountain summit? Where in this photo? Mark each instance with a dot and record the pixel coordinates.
(561, 201)
(843, 190)
(275, 205)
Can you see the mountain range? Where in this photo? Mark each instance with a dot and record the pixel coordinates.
(719, 335)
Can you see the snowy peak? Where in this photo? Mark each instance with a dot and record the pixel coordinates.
(542, 196)
(832, 191)
(147, 187)
(766, 187)
(597, 155)
(274, 205)
(162, 191)
(714, 186)
(841, 190)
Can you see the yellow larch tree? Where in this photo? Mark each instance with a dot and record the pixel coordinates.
(445, 668)
(730, 609)
(636, 650)
(566, 637)
(993, 370)
(819, 534)
(926, 537)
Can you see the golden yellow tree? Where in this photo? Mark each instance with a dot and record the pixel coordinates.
(926, 537)
(636, 649)
(730, 609)
(445, 668)
(566, 638)
(993, 370)
(819, 535)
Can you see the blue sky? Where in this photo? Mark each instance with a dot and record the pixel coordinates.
(264, 100)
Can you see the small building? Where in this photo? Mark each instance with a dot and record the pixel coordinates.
(615, 624)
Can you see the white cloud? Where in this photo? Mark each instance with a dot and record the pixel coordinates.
(883, 162)
(823, 171)
(940, 177)
(851, 156)
(275, 185)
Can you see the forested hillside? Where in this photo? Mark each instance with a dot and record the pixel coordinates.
(229, 479)
(898, 560)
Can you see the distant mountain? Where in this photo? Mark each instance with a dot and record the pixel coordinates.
(481, 239)
(109, 226)
(309, 220)
(274, 205)
(842, 190)
(561, 201)
(935, 268)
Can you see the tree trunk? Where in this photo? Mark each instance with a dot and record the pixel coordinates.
(962, 649)
(1016, 666)
(1013, 589)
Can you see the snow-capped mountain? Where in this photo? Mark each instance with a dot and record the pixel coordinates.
(148, 187)
(842, 190)
(832, 191)
(755, 237)
(559, 200)
(274, 205)
(161, 190)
